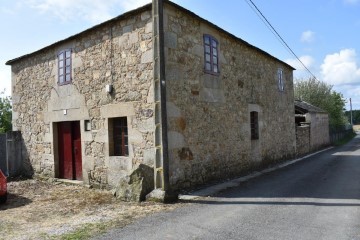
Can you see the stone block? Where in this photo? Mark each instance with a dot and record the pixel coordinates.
(123, 40)
(149, 27)
(212, 82)
(212, 95)
(147, 125)
(170, 40)
(173, 110)
(145, 15)
(147, 57)
(117, 110)
(175, 140)
(136, 185)
(133, 37)
(102, 135)
(149, 157)
(128, 28)
(135, 136)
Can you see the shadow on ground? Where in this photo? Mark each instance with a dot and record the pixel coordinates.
(14, 201)
(330, 178)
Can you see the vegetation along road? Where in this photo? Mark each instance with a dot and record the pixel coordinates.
(317, 198)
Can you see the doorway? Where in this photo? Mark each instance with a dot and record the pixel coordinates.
(69, 149)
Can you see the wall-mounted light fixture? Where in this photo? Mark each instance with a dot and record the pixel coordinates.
(87, 125)
(109, 88)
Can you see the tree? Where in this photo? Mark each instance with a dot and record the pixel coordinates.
(355, 115)
(5, 113)
(321, 95)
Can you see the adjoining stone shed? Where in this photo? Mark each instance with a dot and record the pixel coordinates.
(312, 127)
(92, 107)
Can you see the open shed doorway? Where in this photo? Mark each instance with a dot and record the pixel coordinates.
(69, 150)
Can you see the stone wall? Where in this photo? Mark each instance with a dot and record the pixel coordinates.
(319, 130)
(119, 53)
(209, 116)
(302, 140)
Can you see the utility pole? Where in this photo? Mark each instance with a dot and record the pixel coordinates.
(351, 115)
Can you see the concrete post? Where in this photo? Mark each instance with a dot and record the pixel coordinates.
(161, 140)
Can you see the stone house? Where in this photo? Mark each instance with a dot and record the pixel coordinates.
(312, 127)
(158, 86)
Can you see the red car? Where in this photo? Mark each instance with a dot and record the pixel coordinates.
(3, 188)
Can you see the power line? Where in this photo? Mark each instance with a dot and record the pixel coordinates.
(277, 35)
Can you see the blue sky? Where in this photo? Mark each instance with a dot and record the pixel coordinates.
(325, 34)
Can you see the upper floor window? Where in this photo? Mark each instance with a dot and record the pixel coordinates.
(211, 53)
(254, 125)
(64, 67)
(280, 80)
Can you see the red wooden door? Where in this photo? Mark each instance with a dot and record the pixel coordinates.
(65, 150)
(76, 144)
(69, 140)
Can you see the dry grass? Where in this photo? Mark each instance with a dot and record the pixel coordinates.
(356, 127)
(52, 210)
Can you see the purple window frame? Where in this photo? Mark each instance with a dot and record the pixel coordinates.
(64, 67)
(211, 55)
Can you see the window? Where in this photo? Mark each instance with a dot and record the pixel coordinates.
(118, 137)
(211, 51)
(254, 125)
(64, 67)
(280, 80)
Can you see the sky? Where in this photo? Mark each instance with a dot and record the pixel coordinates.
(324, 34)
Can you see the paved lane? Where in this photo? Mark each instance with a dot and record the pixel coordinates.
(317, 198)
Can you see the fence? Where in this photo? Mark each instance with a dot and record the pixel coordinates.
(340, 132)
(12, 154)
(3, 158)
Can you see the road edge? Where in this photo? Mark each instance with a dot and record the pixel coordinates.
(211, 190)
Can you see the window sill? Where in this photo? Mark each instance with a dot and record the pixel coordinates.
(65, 83)
(212, 73)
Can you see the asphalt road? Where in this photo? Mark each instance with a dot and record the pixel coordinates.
(317, 198)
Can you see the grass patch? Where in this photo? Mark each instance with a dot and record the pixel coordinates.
(85, 232)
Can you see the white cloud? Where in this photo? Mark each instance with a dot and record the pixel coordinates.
(129, 5)
(351, 1)
(307, 60)
(307, 36)
(95, 11)
(350, 91)
(341, 68)
(5, 83)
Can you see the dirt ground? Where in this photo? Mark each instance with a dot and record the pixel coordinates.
(38, 209)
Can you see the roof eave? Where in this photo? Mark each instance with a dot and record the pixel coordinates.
(141, 9)
(122, 16)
